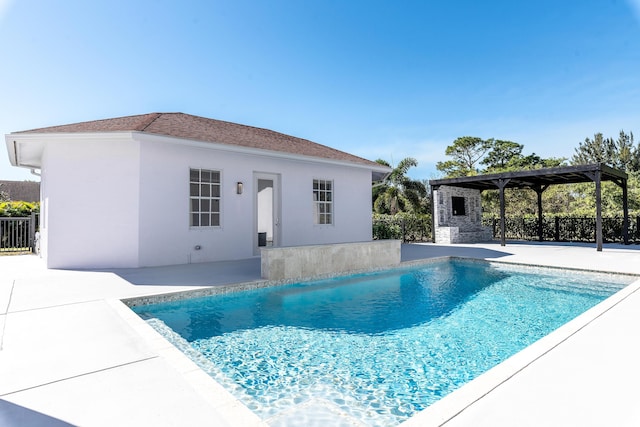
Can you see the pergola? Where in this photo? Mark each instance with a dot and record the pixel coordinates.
(539, 180)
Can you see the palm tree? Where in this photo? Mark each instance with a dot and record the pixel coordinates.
(398, 192)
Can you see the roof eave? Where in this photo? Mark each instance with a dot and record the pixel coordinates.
(25, 149)
(18, 142)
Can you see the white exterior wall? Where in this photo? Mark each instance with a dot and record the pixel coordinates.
(124, 202)
(90, 197)
(165, 235)
(352, 205)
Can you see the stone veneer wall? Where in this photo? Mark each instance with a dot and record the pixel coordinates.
(467, 228)
(317, 260)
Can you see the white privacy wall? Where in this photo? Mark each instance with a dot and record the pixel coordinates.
(124, 202)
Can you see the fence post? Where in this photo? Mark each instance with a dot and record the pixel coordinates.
(556, 232)
(32, 232)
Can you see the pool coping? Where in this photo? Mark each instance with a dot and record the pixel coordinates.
(228, 407)
(437, 414)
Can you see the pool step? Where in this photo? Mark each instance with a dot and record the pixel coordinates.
(314, 412)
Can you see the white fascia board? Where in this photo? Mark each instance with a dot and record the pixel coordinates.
(142, 137)
(25, 149)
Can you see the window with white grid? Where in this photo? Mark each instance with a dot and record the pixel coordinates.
(204, 197)
(322, 201)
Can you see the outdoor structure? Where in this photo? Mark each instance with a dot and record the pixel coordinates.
(458, 217)
(539, 180)
(171, 188)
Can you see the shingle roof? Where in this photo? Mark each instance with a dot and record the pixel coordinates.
(25, 191)
(187, 126)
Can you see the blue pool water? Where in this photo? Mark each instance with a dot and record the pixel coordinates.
(379, 346)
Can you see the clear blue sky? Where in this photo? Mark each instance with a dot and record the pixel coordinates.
(380, 79)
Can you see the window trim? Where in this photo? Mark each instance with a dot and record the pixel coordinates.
(317, 195)
(210, 198)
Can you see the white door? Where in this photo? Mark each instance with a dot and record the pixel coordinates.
(267, 211)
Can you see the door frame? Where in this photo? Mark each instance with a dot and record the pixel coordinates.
(276, 214)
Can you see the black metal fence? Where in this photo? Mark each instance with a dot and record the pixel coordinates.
(18, 234)
(565, 229)
(417, 228)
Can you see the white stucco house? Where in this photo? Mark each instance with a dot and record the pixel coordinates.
(172, 188)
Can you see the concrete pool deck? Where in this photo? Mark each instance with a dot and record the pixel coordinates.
(70, 355)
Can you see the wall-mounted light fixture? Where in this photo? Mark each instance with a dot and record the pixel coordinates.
(239, 187)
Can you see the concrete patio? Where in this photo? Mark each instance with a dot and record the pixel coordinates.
(72, 354)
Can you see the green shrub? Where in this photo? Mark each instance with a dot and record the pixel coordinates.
(18, 209)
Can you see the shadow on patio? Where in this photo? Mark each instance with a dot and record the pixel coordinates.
(12, 415)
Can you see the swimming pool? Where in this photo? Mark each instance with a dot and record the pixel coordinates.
(376, 347)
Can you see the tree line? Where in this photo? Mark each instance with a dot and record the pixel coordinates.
(469, 155)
